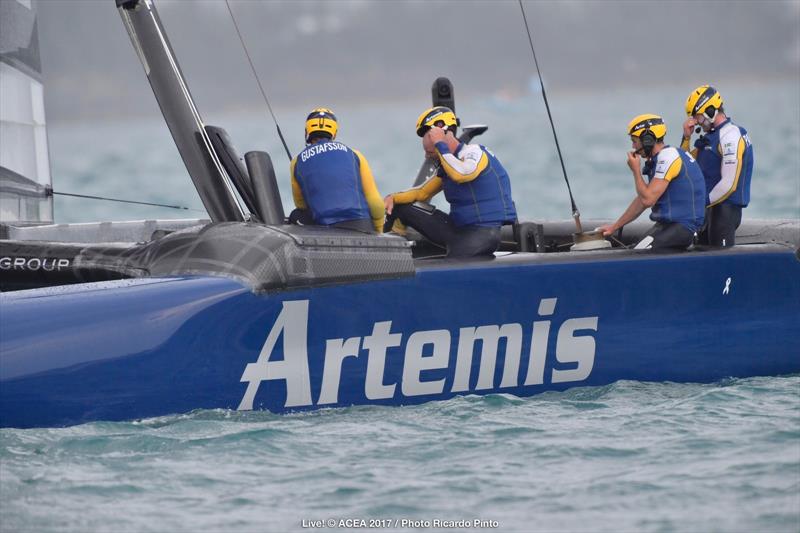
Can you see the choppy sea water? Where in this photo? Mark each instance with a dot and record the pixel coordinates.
(630, 456)
(627, 457)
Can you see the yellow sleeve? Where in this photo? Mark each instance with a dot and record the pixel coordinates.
(466, 170)
(297, 192)
(374, 200)
(422, 193)
(674, 169)
(685, 147)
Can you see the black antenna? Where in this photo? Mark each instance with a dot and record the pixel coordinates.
(575, 213)
(123, 201)
(263, 93)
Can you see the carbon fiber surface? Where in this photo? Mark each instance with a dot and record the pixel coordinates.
(261, 257)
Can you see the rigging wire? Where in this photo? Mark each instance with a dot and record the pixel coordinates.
(575, 213)
(258, 81)
(123, 201)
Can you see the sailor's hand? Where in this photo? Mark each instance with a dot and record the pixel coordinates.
(634, 161)
(436, 135)
(688, 127)
(388, 204)
(607, 229)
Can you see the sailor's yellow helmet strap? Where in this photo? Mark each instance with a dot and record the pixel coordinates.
(321, 120)
(438, 116)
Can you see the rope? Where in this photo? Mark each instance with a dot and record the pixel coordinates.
(258, 81)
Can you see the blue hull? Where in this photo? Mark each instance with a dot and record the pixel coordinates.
(148, 347)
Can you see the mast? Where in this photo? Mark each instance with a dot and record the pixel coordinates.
(180, 113)
(25, 182)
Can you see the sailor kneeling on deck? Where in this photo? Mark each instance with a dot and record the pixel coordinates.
(474, 183)
(675, 189)
(332, 185)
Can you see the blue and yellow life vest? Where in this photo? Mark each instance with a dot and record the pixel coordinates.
(329, 176)
(483, 201)
(726, 145)
(684, 200)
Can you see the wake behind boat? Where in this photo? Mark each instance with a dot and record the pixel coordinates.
(116, 321)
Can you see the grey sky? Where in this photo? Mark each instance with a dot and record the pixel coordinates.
(373, 50)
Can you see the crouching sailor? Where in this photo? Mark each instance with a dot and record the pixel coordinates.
(332, 185)
(474, 182)
(675, 189)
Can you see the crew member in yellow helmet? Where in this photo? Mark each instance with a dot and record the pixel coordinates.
(674, 190)
(474, 183)
(332, 184)
(439, 116)
(725, 155)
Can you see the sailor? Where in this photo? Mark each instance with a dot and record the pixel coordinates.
(332, 184)
(725, 156)
(675, 189)
(474, 183)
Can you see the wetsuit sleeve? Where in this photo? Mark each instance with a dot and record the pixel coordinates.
(423, 193)
(373, 197)
(732, 146)
(471, 161)
(297, 192)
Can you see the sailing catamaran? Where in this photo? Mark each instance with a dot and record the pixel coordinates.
(125, 320)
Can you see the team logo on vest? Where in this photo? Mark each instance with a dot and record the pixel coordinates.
(422, 350)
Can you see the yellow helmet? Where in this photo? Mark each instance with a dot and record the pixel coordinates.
(642, 124)
(703, 100)
(439, 116)
(321, 121)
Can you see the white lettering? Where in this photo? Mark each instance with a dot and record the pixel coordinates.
(539, 338)
(489, 337)
(415, 362)
(547, 306)
(424, 351)
(292, 322)
(315, 149)
(571, 349)
(32, 263)
(377, 344)
(513, 335)
(541, 330)
(336, 350)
